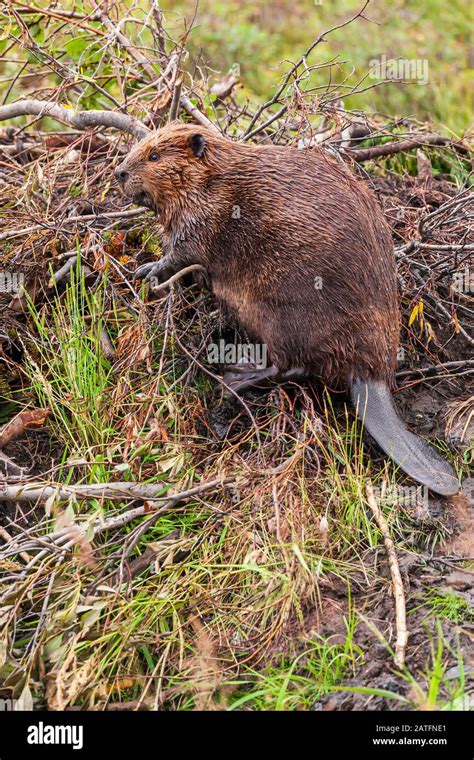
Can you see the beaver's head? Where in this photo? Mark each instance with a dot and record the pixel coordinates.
(165, 167)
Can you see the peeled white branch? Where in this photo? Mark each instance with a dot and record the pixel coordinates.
(124, 490)
(397, 582)
(76, 119)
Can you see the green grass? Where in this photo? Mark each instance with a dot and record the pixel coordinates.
(299, 683)
(70, 374)
(445, 605)
(67, 367)
(433, 687)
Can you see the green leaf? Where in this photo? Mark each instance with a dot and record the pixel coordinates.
(76, 47)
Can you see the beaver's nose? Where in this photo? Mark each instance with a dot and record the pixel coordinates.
(121, 174)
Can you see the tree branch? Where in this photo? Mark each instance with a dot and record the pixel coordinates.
(24, 492)
(76, 119)
(389, 149)
(397, 583)
(122, 215)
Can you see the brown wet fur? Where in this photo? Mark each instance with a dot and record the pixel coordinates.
(266, 221)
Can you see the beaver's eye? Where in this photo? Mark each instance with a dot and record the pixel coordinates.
(154, 156)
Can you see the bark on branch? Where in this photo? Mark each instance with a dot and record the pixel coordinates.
(389, 149)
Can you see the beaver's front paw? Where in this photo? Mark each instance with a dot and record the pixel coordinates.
(155, 272)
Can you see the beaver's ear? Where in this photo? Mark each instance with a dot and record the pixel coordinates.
(197, 143)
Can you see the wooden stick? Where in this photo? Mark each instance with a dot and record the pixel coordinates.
(53, 225)
(24, 420)
(37, 491)
(60, 14)
(9, 468)
(177, 276)
(11, 541)
(389, 149)
(76, 119)
(397, 583)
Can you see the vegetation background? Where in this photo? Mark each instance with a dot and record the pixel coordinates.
(259, 35)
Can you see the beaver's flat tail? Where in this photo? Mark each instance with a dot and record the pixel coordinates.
(375, 407)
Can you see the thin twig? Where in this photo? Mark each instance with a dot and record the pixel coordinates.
(437, 368)
(11, 542)
(178, 275)
(301, 60)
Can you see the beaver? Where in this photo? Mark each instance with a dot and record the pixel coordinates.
(297, 248)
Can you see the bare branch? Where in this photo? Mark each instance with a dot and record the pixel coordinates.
(128, 214)
(194, 111)
(295, 67)
(25, 492)
(389, 149)
(178, 276)
(397, 583)
(76, 119)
